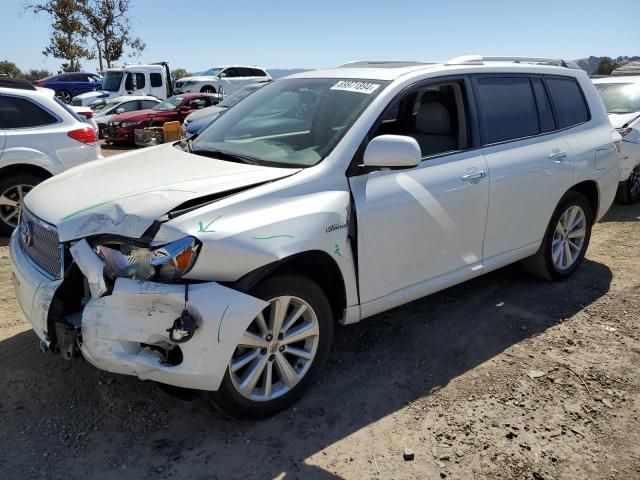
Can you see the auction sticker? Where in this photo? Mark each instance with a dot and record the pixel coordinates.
(356, 86)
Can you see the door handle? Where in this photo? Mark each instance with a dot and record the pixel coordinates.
(557, 156)
(473, 176)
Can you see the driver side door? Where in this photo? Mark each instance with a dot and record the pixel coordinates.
(422, 229)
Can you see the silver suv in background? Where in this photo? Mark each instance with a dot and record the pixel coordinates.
(39, 137)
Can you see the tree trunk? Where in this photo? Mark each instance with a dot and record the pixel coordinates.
(99, 56)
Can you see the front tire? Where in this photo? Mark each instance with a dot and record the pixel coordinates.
(207, 89)
(12, 192)
(629, 190)
(281, 351)
(565, 241)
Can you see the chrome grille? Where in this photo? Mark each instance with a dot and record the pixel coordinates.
(43, 246)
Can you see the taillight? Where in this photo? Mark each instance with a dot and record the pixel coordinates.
(84, 135)
(87, 114)
(39, 84)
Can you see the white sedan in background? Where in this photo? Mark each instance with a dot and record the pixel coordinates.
(621, 97)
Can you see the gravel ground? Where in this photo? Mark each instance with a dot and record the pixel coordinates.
(504, 376)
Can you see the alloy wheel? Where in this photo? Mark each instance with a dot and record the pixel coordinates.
(64, 97)
(10, 201)
(634, 184)
(569, 237)
(276, 351)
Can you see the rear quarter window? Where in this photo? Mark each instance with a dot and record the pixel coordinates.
(507, 108)
(22, 113)
(568, 101)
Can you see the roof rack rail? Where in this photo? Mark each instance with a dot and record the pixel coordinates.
(18, 83)
(481, 60)
(384, 63)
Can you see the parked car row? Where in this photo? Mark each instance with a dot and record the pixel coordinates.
(221, 263)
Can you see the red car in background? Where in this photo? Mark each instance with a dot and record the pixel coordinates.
(120, 128)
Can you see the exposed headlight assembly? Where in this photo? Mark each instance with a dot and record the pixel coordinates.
(166, 263)
(130, 124)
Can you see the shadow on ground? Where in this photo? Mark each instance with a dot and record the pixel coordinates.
(65, 410)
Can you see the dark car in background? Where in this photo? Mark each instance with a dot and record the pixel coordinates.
(69, 85)
(121, 128)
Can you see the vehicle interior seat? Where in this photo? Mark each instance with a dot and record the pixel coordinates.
(433, 130)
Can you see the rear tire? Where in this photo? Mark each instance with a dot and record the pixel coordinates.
(629, 190)
(282, 376)
(565, 241)
(12, 191)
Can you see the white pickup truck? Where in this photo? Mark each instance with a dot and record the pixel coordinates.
(153, 79)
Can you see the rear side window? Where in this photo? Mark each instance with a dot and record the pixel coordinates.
(148, 103)
(568, 100)
(256, 72)
(21, 113)
(507, 108)
(156, 79)
(545, 112)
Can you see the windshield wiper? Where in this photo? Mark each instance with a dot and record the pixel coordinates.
(223, 155)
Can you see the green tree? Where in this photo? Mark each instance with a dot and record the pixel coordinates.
(179, 73)
(10, 69)
(109, 26)
(68, 31)
(33, 75)
(606, 66)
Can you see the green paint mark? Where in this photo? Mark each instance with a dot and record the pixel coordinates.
(273, 236)
(220, 323)
(96, 205)
(203, 229)
(337, 252)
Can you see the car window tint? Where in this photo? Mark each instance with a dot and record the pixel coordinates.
(244, 72)
(568, 101)
(148, 103)
(547, 121)
(507, 108)
(256, 72)
(130, 106)
(231, 72)
(21, 113)
(140, 81)
(156, 79)
(197, 103)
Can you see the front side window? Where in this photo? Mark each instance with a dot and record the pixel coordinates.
(433, 115)
(21, 113)
(620, 97)
(112, 81)
(571, 108)
(507, 108)
(169, 104)
(197, 103)
(292, 123)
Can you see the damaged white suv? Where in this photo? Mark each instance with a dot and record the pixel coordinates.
(222, 263)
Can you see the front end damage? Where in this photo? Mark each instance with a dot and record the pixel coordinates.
(125, 327)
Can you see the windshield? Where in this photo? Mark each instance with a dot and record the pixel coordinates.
(294, 122)
(169, 104)
(111, 81)
(234, 98)
(620, 97)
(212, 72)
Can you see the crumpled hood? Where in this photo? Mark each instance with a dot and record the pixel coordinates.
(126, 193)
(619, 119)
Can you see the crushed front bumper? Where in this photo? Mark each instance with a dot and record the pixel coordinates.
(126, 331)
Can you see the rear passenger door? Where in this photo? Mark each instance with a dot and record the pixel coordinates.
(530, 163)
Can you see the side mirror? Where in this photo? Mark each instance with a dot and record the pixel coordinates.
(392, 151)
(222, 75)
(120, 110)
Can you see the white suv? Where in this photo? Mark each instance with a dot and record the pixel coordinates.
(621, 96)
(222, 80)
(39, 137)
(222, 263)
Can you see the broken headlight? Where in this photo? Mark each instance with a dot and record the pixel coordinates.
(166, 263)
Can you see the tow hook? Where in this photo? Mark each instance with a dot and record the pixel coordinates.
(185, 326)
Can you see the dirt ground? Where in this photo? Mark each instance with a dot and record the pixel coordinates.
(504, 376)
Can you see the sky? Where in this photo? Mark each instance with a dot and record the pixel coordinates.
(198, 34)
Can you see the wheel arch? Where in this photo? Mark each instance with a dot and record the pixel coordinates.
(15, 168)
(202, 89)
(316, 265)
(589, 189)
